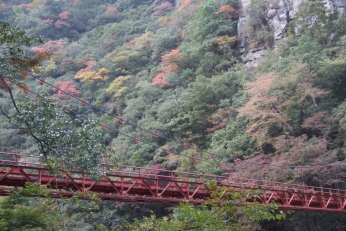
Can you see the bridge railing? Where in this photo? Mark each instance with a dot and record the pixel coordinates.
(152, 173)
(10, 158)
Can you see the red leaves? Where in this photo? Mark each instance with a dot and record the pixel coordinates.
(60, 23)
(89, 65)
(168, 65)
(51, 47)
(137, 140)
(64, 15)
(65, 89)
(160, 80)
(48, 21)
(185, 145)
(112, 10)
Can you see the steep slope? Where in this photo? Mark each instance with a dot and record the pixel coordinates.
(263, 24)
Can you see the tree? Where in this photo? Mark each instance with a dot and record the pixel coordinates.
(65, 90)
(20, 211)
(87, 75)
(276, 102)
(74, 141)
(224, 211)
(168, 65)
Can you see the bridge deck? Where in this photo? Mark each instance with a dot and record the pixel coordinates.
(152, 185)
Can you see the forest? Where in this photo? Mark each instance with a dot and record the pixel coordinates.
(163, 83)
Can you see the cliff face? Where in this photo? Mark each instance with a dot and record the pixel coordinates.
(276, 16)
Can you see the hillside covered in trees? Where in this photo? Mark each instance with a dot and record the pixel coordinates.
(167, 81)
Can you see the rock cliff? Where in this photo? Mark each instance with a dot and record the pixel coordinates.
(274, 18)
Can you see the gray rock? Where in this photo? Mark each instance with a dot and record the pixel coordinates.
(278, 13)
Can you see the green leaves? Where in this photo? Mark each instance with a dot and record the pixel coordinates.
(73, 141)
(20, 211)
(224, 211)
(13, 58)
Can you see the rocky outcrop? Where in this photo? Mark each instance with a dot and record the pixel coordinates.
(277, 15)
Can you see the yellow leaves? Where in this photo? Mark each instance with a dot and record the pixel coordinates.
(35, 4)
(51, 66)
(144, 42)
(120, 92)
(103, 71)
(117, 88)
(225, 41)
(91, 76)
(124, 55)
(164, 21)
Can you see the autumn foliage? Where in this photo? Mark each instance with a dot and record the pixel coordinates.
(64, 15)
(168, 65)
(163, 8)
(65, 90)
(88, 75)
(229, 12)
(50, 47)
(112, 10)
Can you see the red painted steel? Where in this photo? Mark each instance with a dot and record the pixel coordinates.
(153, 185)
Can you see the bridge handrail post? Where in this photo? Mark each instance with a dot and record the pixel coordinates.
(16, 158)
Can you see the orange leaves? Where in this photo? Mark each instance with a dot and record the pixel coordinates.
(184, 4)
(229, 11)
(4, 83)
(22, 86)
(168, 65)
(24, 73)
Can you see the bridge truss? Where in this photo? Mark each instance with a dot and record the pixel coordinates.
(153, 185)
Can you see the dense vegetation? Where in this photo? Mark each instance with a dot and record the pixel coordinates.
(173, 68)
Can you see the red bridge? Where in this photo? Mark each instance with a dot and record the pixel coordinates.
(152, 185)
